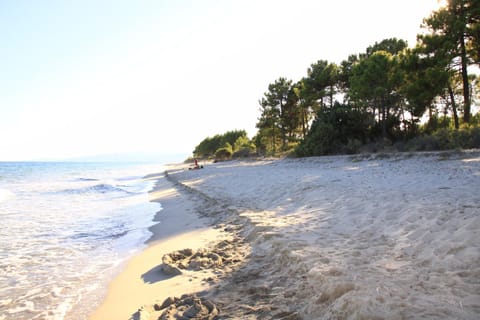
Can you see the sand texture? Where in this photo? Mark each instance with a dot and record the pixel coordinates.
(346, 237)
(158, 273)
(371, 237)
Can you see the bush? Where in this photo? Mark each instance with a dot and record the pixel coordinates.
(336, 130)
(445, 139)
(442, 139)
(243, 147)
(224, 153)
(210, 145)
(319, 142)
(243, 153)
(423, 143)
(436, 123)
(475, 137)
(353, 146)
(460, 139)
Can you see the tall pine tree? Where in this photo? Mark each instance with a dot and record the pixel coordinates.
(454, 35)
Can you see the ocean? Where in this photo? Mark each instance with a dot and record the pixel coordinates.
(65, 231)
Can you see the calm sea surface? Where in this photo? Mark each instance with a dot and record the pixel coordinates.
(65, 229)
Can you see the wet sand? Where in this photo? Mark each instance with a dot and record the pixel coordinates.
(143, 283)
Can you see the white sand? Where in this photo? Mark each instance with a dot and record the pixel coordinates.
(347, 238)
(394, 237)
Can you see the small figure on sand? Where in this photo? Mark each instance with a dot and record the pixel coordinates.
(195, 165)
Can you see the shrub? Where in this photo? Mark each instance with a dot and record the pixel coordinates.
(442, 139)
(460, 139)
(335, 130)
(243, 153)
(445, 139)
(224, 153)
(475, 137)
(243, 147)
(210, 145)
(319, 142)
(353, 146)
(423, 143)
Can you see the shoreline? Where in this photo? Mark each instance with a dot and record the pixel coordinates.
(141, 283)
(329, 237)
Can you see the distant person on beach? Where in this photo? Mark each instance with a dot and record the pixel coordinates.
(195, 165)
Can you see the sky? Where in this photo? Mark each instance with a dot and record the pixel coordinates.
(92, 77)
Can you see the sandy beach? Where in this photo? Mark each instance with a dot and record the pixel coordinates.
(387, 236)
(133, 293)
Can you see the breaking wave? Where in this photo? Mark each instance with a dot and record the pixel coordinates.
(98, 188)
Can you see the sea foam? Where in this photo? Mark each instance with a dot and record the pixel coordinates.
(68, 223)
(5, 195)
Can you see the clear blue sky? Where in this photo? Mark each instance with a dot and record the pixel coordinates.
(93, 77)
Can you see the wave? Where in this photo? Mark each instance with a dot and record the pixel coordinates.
(103, 229)
(104, 188)
(101, 235)
(98, 188)
(86, 179)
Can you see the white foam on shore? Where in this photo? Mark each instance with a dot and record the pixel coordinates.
(6, 195)
(66, 224)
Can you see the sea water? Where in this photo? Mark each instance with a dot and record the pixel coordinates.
(65, 229)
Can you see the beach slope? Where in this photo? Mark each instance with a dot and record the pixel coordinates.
(143, 283)
(367, 237)
(345, 237)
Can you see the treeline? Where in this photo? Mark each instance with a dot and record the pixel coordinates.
(224, 146)
(378, 98)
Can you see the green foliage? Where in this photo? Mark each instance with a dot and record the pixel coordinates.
(321, 81)
(473, 22)
(260, 141)
(353, 146)
(280, 115)
(385, 92)
(435, 123)
(243, 147)
(224, 153)
(392, 46)
(345, 73)
(319, 141)
(454, 38)
(209, 146)
(370, 79)
(241, 142)
(336, 130)
(447, 139)
(424, 78)
(374, 86)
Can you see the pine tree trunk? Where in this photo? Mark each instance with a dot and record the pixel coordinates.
(331, 97)
(273, 139)
(466, 88)
(384, 119)
(304, 127)
(454, 106)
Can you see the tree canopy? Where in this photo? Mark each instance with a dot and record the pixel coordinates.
(379, 96)
(209, 146)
